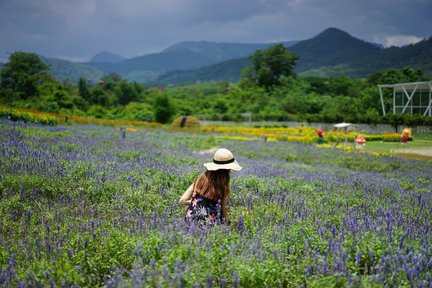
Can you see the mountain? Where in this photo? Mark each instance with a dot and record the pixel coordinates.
(331, 47)
(182, 56)
(106, 57)
(224, 71)
(359, 64)
(186, 55)
(332, 52)
(217, 52)
(418, 55)
(72, 71)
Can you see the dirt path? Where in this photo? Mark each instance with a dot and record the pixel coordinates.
(422, 152)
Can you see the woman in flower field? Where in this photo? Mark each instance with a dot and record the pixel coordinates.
(207, 197)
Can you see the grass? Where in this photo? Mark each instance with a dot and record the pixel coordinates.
(379, 146)
(96, 210)
(413, 149)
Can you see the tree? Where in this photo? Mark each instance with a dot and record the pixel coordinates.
(83, 89)
(23, 73)
(111, 80)
(127, 92)
(270, 65)
(163, 109)
(393, 76)
(99, 96)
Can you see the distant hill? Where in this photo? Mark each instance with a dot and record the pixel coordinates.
(216, 52)
(333, 52)
(106, 57)
(331, 47)
(181, 56)
(224, 71)
(361, 64)
(418, 55)
(72, 71)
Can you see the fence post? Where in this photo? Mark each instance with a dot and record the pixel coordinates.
(123, 132)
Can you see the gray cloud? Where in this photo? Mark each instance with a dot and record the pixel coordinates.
(81, 28)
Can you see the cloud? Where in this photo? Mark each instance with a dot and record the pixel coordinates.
(400, 40)
(82, 28)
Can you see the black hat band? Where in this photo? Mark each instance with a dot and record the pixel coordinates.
(223, 162)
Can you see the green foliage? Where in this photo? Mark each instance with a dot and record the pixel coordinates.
(83, 89)
(83, 208)
(98, 111)
(127, 92)
(393, 75)
(27, 117)
(270, 65)
(267, 90)
(136, 111)
(23, 73)
(163, 109)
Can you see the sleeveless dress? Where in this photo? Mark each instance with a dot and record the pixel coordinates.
(203, 211)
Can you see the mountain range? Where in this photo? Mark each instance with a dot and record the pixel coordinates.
(332, 52)
(106, 57)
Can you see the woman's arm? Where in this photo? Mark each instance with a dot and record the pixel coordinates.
(186, 198)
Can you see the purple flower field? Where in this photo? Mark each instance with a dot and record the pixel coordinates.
(82, 207)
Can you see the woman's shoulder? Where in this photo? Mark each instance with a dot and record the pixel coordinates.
(204, 199)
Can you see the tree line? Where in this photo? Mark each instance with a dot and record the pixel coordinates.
(269, 89)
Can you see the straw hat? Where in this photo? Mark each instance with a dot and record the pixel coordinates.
(223, 159)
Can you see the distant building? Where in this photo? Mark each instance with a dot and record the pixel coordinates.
(410, 98)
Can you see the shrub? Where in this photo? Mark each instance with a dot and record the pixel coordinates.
(163, 109)
(186, 122)
(28, 116)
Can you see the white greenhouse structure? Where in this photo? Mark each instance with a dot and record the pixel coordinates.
(410, 98)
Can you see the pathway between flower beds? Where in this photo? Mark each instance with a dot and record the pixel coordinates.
(425, 153)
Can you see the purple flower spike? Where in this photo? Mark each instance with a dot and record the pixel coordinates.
(240, 225)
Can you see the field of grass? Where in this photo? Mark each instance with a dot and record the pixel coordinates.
(421, 149)
(82, 207)
(388, 146)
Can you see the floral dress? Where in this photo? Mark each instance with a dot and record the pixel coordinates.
(204, 211)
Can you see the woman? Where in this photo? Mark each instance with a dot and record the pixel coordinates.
(207, 197)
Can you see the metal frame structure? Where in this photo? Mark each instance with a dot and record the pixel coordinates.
(412, 98)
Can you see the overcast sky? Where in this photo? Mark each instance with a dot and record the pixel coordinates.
(79, 29)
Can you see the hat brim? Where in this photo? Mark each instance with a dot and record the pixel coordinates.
(231, 166)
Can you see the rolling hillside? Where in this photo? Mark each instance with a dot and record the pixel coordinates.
(182, 56)
(224, 71)
(72, 71)
(333, 52)
(330, 48)
(106, 57)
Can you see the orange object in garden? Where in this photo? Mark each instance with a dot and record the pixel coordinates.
(360, 139)
(320, 136)
(360, 142)
(406, 133)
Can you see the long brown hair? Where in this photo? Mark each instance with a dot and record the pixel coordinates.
(214, 185)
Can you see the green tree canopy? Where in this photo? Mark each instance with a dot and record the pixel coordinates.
(270, 65)
(127, 92)
(23, 73)
(394, 75)
(163, 108)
